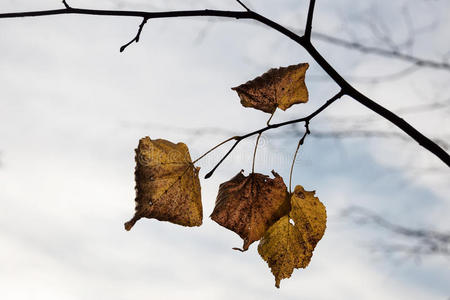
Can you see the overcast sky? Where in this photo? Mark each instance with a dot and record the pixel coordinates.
(72, 111)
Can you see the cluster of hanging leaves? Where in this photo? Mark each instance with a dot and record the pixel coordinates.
(256, 207)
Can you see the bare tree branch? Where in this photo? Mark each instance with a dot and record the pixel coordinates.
(303, 41)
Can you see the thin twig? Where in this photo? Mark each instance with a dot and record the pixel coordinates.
(223, 158)
(243, 5)
(309, 19)
(273, 126)
(66, 5)
(300, 142)
(136, 38)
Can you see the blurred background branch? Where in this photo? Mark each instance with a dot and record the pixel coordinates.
(415, 242)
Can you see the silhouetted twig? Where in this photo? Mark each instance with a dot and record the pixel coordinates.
(136, 38)
(65, 4)
(309, 20)
(243, 5)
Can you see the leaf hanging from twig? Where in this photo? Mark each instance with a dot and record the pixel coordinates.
(167, 184)
(250, 205)
(286, 246)
(282, 88)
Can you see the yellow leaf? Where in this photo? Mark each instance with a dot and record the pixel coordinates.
(286, 246)
(250, 205)
(284, 249)
(167, 184)
(282, 88)
(309, 215)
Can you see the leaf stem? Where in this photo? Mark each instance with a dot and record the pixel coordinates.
(254, 152)
(257, 141)
(214, 148)
(300, 142)
(270, 119)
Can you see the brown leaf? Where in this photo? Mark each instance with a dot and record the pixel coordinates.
(167, 184)
(286, 246)
(250, 205)
(282, 88)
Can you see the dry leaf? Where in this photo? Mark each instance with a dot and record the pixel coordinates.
(309, 215)
(167, 184)
(282, 88)
(250, 205)
(286, 246)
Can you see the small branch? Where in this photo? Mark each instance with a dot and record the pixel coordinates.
(300, 142)
(309, 19)
(66, 5)
(136, 38)
(223, 158)
(273, 126)
(243, 5)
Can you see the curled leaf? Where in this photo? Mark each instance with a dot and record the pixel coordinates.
(167, 184)
(249, 205)
(286, 246)
(282, 88)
